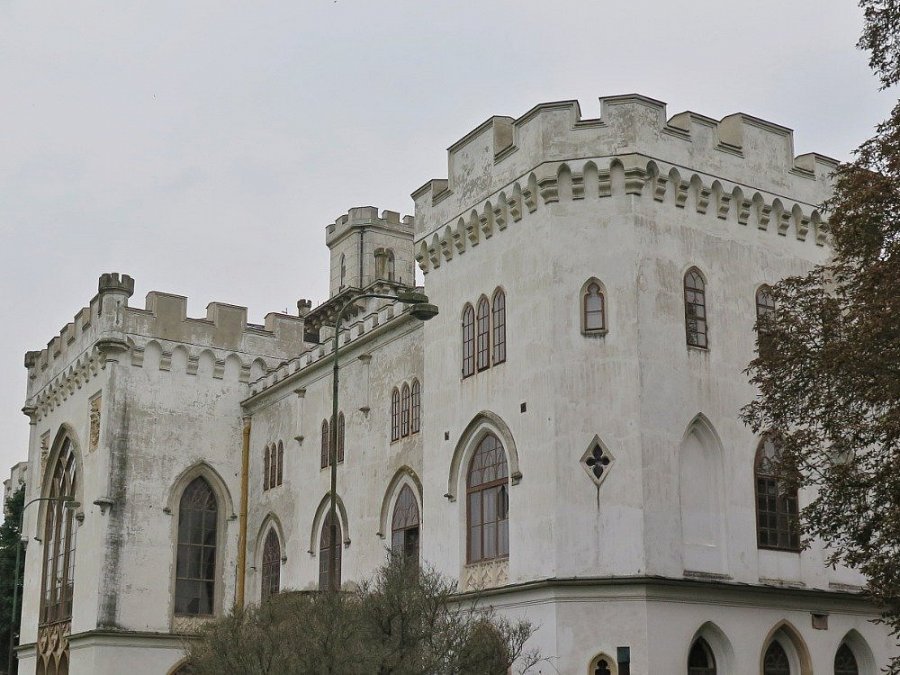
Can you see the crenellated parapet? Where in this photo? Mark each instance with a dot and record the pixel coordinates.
(108, 326)
(739, 169)
(367, 216)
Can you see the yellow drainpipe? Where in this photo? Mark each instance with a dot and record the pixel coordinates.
(242, 517)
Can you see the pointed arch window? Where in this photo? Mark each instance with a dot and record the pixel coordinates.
(468, 341)
(404, 410)
(343, 270)
(405, 526)
(280, 474)
(499, 319)
(195, 565)
(765, 314)
(487, 502)
(271, 565)
(390, 265)
(775, 661)
(484, 334)
(395, 414)
(701, 660)
(593, 309)
(416, 407)
(330, 545)
(58, 578)
(845, 661)
(267, 458)
(273, 465)
(340, 438)
(325, 437)
(777, 509)
(695, 309)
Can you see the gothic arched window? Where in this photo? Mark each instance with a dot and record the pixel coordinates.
(701, 660)
(195, 565)
(273, 465)
(416, 406)
(695, 309)
(395, 414)
(271, 565)
(266, 459)
(325, 440)
(488, 502)
(765, 314)
(845, 661)
(58, 578)
(405, 525)
(404, 410)
(340, 438)
(484, 334)
(330, 545)
(343, 270)
(468, 341)
(777, 511)
(390, 265)
(280, 476)
(593, 309)
(499, 317)
(776, 662)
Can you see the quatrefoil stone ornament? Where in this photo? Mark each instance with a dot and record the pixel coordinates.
(597, 460)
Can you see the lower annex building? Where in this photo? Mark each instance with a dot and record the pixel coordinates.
(563, 436)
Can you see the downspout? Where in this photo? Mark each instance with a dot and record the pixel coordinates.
(362, 231)
(242, 516)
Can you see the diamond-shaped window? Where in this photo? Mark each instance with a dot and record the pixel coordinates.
(597, 460)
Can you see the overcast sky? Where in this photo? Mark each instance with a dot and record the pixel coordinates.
(202, 147)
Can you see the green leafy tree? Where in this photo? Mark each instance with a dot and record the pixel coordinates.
(9, 537)
(403, 621)
(828, 364)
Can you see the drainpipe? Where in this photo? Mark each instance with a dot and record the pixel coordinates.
(242, 516)
(362, 247)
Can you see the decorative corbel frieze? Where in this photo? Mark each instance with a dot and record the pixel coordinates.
(723, 206)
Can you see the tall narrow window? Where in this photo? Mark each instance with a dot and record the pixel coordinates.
(484, 334)
(273, 465)
(280, 476)
(390, 265)
(340, 438)
(195, 566)
(266, 459)
(775, 661)
(343, 270)
(701, 660)
(468, 341)
(695, 309)
(395, 414)
(499, 316)
(59, 540)
(271, 565)
(325, 441)
(416, 413)
(777, 511)
(765, 314)
(488, 502)
(405, 526)
(330, 545)
(593, 310)
(845, 661)
(404, 410)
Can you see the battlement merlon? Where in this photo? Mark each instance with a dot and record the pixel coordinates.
(164, 316)
(739, 149)
(368, 217)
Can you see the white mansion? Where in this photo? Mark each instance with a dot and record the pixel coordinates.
(563, 436)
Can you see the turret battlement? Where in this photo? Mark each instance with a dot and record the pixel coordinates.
(108, 320)
(367, 216)
(740, 150)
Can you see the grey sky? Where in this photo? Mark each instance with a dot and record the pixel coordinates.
(203, 146)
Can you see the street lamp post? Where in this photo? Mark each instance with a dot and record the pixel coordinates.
(70, 503)
(422, 310)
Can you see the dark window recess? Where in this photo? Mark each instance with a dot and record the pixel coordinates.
(271, 565)
(416, 415)
(330, 545)
(775, 662)
(695, 309)
(468, 341)
(488, 502)
(484, 334)
(195, 565)
(404, 410)
(340, 438)
(777, 509)
(405, 526)
(499, 318)
(395, 414)
(845, 661)
(701, 660)
(325, 441)
(594, 310)
(597, 460)
(58, 577)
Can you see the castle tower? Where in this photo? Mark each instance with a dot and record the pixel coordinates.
(366, 247)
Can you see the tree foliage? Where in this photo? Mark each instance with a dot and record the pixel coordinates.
(828, 364)
(9, 538)
(403, 621)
